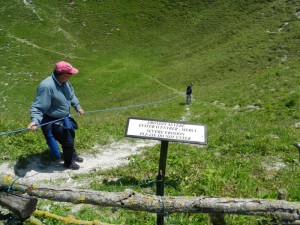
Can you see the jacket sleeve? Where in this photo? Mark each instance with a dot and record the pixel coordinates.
(41, 104)
(74, 99)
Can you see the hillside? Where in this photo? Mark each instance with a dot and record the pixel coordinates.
(161, 40)
(242, 56)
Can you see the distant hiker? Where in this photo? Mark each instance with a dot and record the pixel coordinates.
(189, 91)
(55, 95)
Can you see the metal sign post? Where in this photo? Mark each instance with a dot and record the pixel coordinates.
(165, 131)
(160, 185)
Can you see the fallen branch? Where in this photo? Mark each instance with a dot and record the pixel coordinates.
(129, 199)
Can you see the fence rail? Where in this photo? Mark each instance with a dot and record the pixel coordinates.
(280, 209)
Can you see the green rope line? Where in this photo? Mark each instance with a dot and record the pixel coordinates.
(128, 186)
(9, 189)
(97, 111)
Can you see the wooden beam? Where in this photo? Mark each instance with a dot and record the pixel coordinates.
(22, 205)
(129, 199)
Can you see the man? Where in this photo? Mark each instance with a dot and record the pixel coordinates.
(189, 91)
(51, 110)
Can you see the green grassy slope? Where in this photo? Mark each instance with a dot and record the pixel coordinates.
(243, 57)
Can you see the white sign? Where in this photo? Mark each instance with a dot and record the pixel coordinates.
(166, 130)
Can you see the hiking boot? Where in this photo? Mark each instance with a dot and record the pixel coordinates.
(72, 166)
(78, 159)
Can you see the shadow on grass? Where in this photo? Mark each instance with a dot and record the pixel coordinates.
(42, 162)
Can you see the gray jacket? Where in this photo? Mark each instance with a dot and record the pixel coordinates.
(53, 99)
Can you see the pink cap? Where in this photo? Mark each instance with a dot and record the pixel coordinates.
(64, 67)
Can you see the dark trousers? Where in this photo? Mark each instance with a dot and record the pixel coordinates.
(64, 135)
(66, 138)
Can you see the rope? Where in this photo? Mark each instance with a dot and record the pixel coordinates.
(9, 188)
(25, 129)
(133, 106)
(122, 188)
(93, 111)
(67, 220)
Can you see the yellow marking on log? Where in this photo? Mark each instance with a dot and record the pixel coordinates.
(7, 179)
(150, 199)
(81, 198)
(35, 186)
(181, 202)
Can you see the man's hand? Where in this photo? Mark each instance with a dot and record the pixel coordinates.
(32, 126)
(80, 112)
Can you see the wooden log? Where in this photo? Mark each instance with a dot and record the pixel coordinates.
(22, 205)
(129, 199)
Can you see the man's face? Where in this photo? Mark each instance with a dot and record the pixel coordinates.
(64, 77)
